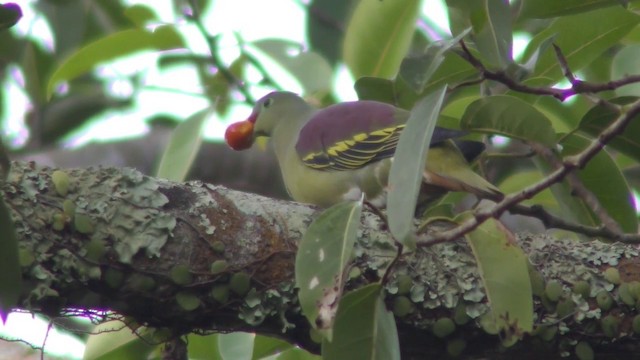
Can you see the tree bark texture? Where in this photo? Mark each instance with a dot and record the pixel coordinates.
(198, 257)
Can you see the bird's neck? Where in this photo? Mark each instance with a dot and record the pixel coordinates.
(285, 134)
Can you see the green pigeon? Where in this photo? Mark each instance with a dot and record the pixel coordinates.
(337, 153)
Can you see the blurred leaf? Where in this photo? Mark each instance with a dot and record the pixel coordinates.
(505, 276)
(364, 328)
(552, 8)
(378, 36)
(63, 115)
(10, 13)
(603, 177)
(508, 116)
(516, 181)
(264, 346)
(294, 354)
(601, 116)
(36, 65)
(625, 63)
(318, 80)
(140, 14)
(113, 46)
(322, 256)
(452, 71)
(406, 171)
(68, 21)
(236, 345)
(325, 26)
(183, 147)
(110, 341)
(417, 70)
(372, 88)
(11, 279)
(582, 38)
(203, 347)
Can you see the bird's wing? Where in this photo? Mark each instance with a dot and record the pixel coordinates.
(351, 135)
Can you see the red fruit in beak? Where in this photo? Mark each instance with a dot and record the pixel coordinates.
(239, 136)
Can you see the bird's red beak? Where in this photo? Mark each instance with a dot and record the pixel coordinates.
(239, 136)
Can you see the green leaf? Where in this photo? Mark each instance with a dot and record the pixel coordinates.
(110, 341)
(313, 81)
(373, 88)
(519, 180)
(378, 37)
(508, 116)
(417, 70)
(552, 8)
(203, 347)
(492, 32)
(505, 276)
(582, 38)
(601, 116)
(140, 14)
(453, 70)
(11, 279)
(322, 256)
(264, 346)
(603, 177)
(324, 27)
(236, 345)
(364, 329)
(624, 63)
(113, 46)
(407, 168)
(183, 147)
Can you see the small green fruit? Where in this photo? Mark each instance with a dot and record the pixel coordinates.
(604, 300)
(537, 282)
(219, 266)
(60, 182)
(240, 283)
(402, 306)
(218, 246)
(69, 208)
(187, 300)
(58, 222)
(181, 275)
(83, 224)
(25, 257)
(612, 275)
(610, 326)
(113, 278)
(547, 333)
(583, 288)
(95, 248)
(315, 335)
(565, 308)
(634, 288)
(141, 282)
(553, 290)
(636, 324)
(443, 327)
(625, 295)
(220, 293)
(460, 316)
(584, 351)
(488, 324)
(405, 282)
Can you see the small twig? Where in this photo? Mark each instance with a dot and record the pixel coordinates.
(215, 58)
(569, 163)
(256, 64)
(564, 65)
(399, 246)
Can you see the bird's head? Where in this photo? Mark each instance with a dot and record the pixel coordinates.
(268, 112)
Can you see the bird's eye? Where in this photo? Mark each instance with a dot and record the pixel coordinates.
(267, 102)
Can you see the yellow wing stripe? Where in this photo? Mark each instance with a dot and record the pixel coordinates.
(357, 152)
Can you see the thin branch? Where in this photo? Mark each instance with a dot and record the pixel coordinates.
(215, 58)
(569, 163)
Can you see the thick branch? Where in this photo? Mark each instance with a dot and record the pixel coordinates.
(136, 245)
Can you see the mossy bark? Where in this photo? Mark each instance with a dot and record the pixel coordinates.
(109, 238)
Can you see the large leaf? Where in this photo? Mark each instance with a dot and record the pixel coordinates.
(322, 256)
(110, 341)
(624, 64)
(582, 38)
(113, 46)
(378, 37)
(203, 347)
(183, 147)
(264, 346)
(325, 26)
(505, 276)
(407, 168)
(313, 81)
(601, 116)
(553, 8)
(11, 279)
(364, 328)
(508, 116)
(236, 346)
(603, 177)
(491, 24)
